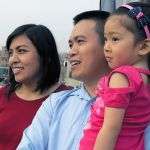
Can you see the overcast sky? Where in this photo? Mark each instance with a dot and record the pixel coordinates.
(55, 14)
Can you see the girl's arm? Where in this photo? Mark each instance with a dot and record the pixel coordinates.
(113, 118)
(108, 134)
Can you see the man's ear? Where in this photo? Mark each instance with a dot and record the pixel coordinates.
(144, 47)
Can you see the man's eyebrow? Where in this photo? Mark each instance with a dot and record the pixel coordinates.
(69, 41)
(75, 38)
(79, 36)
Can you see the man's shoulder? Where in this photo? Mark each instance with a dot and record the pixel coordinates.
(66, 93)
(63, 87)
(63, 96)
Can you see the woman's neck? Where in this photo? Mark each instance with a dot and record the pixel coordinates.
(29, 93)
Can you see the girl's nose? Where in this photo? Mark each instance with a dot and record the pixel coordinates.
(107, 47)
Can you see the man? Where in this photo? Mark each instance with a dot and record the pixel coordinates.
(59, 123)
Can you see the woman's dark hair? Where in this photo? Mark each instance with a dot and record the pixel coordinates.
(131, 22)
(43, 40)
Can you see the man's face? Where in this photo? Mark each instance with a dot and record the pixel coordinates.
(86, 52)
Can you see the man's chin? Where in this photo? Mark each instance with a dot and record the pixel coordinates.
(73, 76)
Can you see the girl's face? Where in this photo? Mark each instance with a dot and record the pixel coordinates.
(120, 47)
(24, 60)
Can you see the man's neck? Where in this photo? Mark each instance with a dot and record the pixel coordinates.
(91, 84)
(91, 88)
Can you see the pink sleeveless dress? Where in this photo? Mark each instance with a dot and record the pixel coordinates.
(135, 99)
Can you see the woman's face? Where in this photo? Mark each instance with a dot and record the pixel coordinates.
(24, 60)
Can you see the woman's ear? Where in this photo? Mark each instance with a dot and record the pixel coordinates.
(144, 47)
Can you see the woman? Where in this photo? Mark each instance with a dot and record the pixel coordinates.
(34, 74)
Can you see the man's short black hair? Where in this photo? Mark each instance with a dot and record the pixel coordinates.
(96, 15)
(102, 15)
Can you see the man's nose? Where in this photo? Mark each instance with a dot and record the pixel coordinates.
(73, 51)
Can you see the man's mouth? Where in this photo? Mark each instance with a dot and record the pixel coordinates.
(74, 63)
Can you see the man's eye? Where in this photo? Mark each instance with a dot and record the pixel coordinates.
(80, 41)
(70, 45)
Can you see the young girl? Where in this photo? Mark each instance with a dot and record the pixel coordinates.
(122, 110)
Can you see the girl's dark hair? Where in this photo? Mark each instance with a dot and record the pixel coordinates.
(132, 24)
(43, 40)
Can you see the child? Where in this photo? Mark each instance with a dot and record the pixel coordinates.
(122, 111)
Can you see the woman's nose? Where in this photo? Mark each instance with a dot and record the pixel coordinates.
(13, 58)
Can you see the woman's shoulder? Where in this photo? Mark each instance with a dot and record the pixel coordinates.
(3, 94)
(3, 89)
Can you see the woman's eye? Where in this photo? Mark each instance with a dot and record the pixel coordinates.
(10, 53)
(21, 51)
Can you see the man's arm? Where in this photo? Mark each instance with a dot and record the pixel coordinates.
(147, 138)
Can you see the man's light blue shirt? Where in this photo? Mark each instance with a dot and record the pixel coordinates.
(147, 138)
(59, 123)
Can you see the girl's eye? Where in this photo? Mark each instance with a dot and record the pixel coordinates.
(115, 39)
(105, 39)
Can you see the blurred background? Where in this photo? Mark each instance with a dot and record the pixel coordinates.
(57, 15)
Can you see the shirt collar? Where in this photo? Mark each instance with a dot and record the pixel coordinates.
(82, 93)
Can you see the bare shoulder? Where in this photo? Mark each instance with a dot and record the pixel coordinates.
(118, 80)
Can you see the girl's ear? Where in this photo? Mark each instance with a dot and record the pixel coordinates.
(144, 47)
